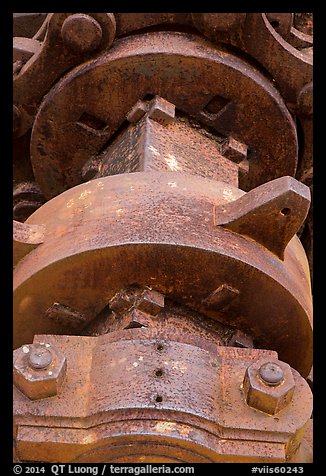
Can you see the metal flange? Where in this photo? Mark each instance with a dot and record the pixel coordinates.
(78, 117)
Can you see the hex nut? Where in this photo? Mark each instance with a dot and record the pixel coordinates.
(37, 383)
(270, 398)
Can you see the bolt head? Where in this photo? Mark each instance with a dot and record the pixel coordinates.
(39, 357)
(271, 373)
(272, 397)
(39, 370)
(81, 33)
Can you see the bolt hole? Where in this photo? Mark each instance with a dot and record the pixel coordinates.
(159, 399)
(275, 23)
(285, 211)
(216, 104)
(159, 373)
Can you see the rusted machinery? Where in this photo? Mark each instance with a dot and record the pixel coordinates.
(162, 300)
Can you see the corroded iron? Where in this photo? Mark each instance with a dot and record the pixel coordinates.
(118, 240)
(25, 238)
(87, 101)
(269, 386)
(162, 300)
(39, 370)
(270, 214)
(149, 395)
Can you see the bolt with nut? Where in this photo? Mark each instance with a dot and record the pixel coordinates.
(268, 385)
(81, 32)
(39, 370)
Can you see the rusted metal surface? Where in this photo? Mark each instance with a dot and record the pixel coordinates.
(270, 214)
(287, 40)
(32, 81)
(145, 300)
(162, 394)
(268, 386)
(240, 339)
(99, 240)
(59, 152)
(25, 48)
(175, 308)
(136, 307)
(39, 370)
(305, 450)
(81, 33)
(210, 23)
(65, 315)
(284, 40)
(27, 24)
(25, 239)
(159, 141)
(304, 22)
(290, 67)
(27, 197)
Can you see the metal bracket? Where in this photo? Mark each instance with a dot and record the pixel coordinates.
(270, 214)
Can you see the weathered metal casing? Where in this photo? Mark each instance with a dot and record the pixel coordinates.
(99, 239)
(143, 395)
